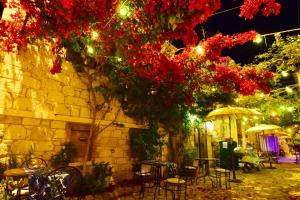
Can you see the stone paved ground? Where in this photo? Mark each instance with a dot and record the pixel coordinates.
(275, 184)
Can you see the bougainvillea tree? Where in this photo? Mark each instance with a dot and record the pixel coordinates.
(124, 40)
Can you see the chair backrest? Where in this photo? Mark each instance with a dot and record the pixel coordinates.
(146, 168)
(34, 163)
(196, 163)
(66, 181)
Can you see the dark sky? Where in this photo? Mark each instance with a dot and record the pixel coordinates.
(230, 23)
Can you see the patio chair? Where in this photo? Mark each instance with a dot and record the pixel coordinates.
(221, 173)
(194, 172)
(34, 163)
(65, 182)
(176, 183)
(146, 178)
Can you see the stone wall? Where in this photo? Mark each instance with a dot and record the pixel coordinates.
(36, 106)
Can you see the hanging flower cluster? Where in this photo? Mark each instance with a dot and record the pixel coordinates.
(251, 7)
(94, 30)
(244, 81)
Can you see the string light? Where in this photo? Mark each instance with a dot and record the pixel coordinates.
(284, 73)
(290, 109)
(123, 11)
(258, 39)
(289, 90)
(200, 50)
(90, 50)
(95, 35)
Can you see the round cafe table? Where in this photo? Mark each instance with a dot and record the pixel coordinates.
(16, 173)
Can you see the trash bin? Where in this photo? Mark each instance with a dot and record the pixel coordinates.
(226, 151)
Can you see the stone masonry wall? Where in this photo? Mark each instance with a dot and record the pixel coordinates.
(36, 106)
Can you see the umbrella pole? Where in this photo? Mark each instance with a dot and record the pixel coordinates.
(234, 179)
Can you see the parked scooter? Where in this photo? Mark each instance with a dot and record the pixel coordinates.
(249, 160)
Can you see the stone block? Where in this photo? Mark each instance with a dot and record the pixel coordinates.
(116, 133)
(50, 84)
(21, 103)
(75, 110)
(44, 146)
(55, 96)
(45, 122)
(12, 120)
(21, 147)
(61, 109)
(76, 101)
(31, 121)
(30, 82)
(109, 116)
(60, 134)
(58, 124)
(15, 132)
(41, 133)
(5, 100)
(68, 91)
(85, 112)
(84, 94)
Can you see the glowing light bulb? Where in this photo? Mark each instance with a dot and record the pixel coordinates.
(95, 35)
(119, 59)
(243, 123)
(200, 50)
(288, 90)
(90, 50)
(273, 114)
(258, 39)
(282, 107)
(261, 95)
(284, 73)
(290, 109)
(123, 11)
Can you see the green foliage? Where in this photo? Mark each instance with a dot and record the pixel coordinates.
(146, 144)
(96, 182)
(65, 156)
(189, 155)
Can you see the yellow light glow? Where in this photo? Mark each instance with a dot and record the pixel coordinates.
(282, 107)
(273, 114)
(262, 95)
(289, 130)
(284, 73)
(290, 109)
(90, 50)
(200, 50)
(237, 100)
(258, 39)
(214, 89)
(243, 123)
(288, 90)
(255, 117)
(119, 59)
(95, 35)
(245, 118)
(123, 11)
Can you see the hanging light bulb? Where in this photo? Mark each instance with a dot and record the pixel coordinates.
(95, 35)
(200, 50)
(284, 73)
(289, 90)
(90, 50)
(258, 39)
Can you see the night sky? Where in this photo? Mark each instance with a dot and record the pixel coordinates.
(230, 23)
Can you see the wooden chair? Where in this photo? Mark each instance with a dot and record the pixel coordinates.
(194, 172)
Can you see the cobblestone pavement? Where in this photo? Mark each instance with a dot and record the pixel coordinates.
(276, 184)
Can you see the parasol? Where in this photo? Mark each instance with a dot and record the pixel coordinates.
(264, 128)
(231, 111)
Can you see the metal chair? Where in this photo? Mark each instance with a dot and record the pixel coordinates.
(34, 163)
(146, 178)
(219, 173)
(64, 182)
(194, 172)
(176, 183)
